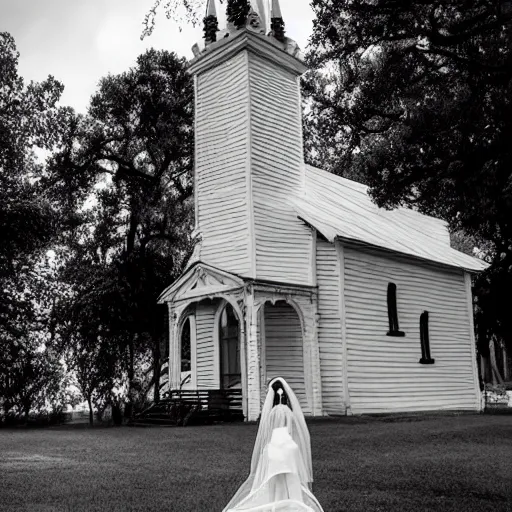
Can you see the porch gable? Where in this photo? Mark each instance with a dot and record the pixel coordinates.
(201, 281)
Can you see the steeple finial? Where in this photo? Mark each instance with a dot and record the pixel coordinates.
(211, 9)
(276, 9)
(277, 22)
(211, 25)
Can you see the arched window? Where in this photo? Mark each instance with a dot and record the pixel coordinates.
(394, 328)
(186, 346)
(425, 341)
(229, 348)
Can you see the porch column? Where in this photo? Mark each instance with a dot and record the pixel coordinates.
(253, 358)
(312, 357)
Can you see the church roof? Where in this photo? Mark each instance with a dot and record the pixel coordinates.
(340, 208)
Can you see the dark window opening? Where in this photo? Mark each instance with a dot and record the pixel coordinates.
(185, 347)
(394, 329)
(425, 342)
(230, 369)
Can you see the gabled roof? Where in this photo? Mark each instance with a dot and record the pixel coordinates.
(341, 208)
(200, 280)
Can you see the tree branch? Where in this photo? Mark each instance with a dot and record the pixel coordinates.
(126, 168)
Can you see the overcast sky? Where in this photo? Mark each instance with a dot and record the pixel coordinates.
(78, 42)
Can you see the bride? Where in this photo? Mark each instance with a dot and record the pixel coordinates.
(281, 471)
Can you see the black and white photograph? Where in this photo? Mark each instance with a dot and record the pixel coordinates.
(256, 256)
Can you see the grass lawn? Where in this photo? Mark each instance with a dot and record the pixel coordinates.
(443, 463)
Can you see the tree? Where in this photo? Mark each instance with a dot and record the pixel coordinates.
(416, 98)
(30, 380)
(95, 364)
(183, 11)
(30, 119)
(123, 186)
(193, 11)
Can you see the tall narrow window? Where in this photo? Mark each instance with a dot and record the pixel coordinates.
(230, 369)
(425, 342)
(394, 329)
(185, 346)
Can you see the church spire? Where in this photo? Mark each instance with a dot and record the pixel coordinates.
(277, 22)
(211, 9)
(211, 25)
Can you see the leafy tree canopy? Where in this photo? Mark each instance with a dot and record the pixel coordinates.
(193, 12)
(414, 98)
(123, 187)
(30, 120)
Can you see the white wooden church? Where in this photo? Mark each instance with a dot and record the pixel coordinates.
(296, 273)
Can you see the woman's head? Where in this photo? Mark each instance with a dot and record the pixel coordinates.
(280, 395)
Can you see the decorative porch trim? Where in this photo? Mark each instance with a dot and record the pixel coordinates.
(175, 316)
(191, 317)
(313, 377)
(305, 306)
(222, 293)
(262, 347)
(216, 342)
(200, 280)
(279, 290)
(216, 346)
(193, 349)
(252, 308)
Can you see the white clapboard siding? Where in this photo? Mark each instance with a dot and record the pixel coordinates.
(221, 165)
(284, 351)
(205, 317)
(384, 373)
(329, 328)
(282, 242)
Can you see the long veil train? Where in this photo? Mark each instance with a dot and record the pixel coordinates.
(281, 470)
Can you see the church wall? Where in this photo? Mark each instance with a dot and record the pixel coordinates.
(330, 339)
(282, 242)
(384, 373)
(222, 132)
(205, 316)
(284, 350)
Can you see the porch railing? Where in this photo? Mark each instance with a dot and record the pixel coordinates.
(186, 406)
(217, 398)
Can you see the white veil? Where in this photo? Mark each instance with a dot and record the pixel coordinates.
(290, 416)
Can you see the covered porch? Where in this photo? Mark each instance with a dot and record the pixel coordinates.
(228, 333)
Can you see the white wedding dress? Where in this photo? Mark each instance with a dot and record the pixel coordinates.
(281, 470)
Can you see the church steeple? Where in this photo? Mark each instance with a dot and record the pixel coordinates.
(211, 26)
(277, 22)
(249, 151)
(211, 9)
